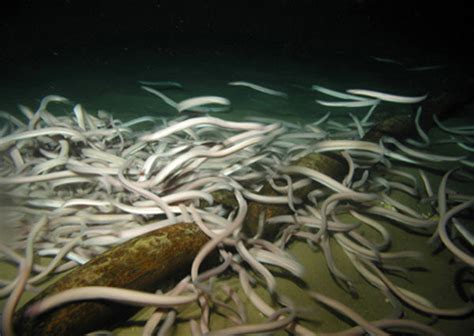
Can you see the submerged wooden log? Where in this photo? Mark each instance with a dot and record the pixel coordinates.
(444, 104)
(143, 263)
(332, 165)
(146, 262)
(329, 164)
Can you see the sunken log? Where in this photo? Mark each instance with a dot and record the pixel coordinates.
(143, 263)
(399, 126)
(329, 164)
(444, 104)
(147, 262)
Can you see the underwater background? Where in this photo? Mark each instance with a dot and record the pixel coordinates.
(96, 53)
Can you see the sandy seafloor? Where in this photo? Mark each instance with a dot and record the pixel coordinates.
(109, 82)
